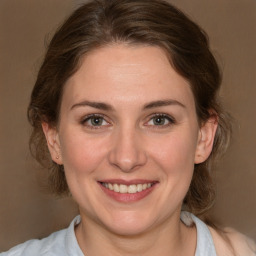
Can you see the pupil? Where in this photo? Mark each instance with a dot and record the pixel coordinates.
(97, 121)
(159, 120)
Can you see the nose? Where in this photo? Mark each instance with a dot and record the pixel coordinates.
(127, 152)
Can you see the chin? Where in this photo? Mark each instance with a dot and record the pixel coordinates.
(129, 224)
(128, 229)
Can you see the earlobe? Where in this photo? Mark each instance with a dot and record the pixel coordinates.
(52, 138)
(205, 139)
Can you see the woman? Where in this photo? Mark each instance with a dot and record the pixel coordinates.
(126, 101)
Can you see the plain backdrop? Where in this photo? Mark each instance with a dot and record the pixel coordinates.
(26, 210)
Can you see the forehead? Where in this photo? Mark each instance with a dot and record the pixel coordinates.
(125, 73)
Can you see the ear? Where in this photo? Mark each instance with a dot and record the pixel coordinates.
(205, 139)
(53, 142)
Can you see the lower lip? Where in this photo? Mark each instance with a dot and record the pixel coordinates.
(127, 197)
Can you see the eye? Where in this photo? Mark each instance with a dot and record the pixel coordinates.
(94, 121)
(160, 120)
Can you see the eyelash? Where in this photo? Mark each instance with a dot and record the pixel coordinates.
(103, 118)
(90, 117)
(169, 119)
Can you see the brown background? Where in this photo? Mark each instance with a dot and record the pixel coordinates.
(25, 210)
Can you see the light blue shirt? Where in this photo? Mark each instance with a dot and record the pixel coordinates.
(64, 243)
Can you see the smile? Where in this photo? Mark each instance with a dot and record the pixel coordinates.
(127, 191)
(130, 189)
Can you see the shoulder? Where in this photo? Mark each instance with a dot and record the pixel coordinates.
(229, 242)
(44, 247)
(62, 243)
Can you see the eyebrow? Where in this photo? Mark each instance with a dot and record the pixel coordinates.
(162, 103)
(108, 107)
(98, 105)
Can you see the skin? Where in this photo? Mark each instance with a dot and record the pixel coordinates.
(129, 144)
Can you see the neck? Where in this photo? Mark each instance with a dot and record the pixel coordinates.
(172, 237)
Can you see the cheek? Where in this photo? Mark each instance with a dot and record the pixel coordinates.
(81, 154)
(175, 155)
(172, 158)
(176, 160)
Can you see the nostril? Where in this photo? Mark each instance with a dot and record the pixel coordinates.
(127, 153)
(127, 162)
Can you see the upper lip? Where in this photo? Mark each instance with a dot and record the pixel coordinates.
(127, 182)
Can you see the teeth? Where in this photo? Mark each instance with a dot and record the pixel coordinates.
(116, 188)
(131, 189)
(139, 187)
(123, 189)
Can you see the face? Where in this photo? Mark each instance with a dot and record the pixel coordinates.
(128, 138)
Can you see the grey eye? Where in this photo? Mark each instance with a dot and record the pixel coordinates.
(96, 121)
(159, 120)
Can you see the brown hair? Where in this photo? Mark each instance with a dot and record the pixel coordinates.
(149, 22)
